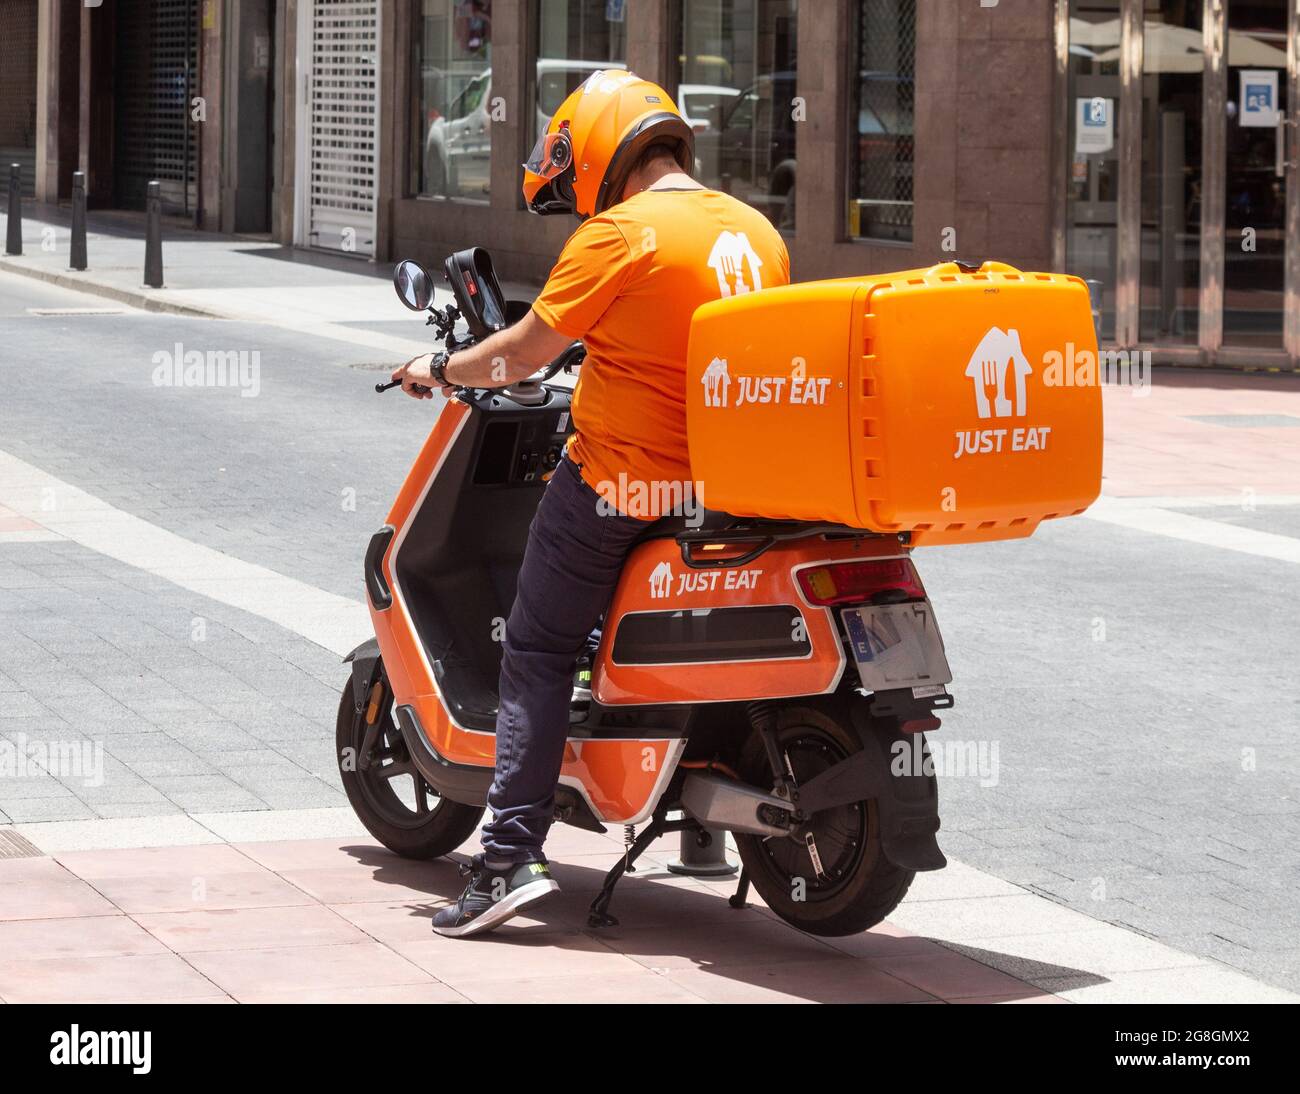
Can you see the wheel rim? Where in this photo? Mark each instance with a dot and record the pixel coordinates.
(838, 835)
(393, 786)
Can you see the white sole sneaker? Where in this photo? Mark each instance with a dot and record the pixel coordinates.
(504, 909)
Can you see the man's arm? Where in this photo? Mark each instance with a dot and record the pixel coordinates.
(502, 359)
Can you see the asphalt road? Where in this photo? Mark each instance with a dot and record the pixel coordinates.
(1127, 704)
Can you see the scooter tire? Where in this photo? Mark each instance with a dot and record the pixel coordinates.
(866, 886)
(444, 828)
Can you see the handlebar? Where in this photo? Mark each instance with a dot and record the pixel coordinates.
(568, 358)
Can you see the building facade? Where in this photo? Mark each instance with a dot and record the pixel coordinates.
(1150, 146)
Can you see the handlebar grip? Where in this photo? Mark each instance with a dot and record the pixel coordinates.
(381, 388)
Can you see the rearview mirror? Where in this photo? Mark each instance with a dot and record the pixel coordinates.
(413, 284)
(477, 291)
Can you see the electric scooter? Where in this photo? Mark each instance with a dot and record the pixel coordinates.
(773, 679)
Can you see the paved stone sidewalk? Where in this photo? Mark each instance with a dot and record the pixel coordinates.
(339, 919)
(345, 921)
(181, 704)
(207, 274)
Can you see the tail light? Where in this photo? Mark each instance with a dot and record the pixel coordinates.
(845, 582)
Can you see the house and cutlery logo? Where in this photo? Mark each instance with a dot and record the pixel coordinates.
(998, 369)
(661, 580)
(736, 264)
(996, 357)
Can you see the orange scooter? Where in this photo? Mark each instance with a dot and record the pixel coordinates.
(741, 682)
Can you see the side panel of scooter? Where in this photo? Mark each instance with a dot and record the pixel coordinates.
(677, 633)
(620, 778)
(404, 660)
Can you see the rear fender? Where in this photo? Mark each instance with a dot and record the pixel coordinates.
(907, 801)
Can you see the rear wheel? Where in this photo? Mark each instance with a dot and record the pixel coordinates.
(830, 876)
(390, 796)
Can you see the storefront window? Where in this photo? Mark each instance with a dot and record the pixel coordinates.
(1173, 64)
(739, 63)
(1092, 194)
(1254, 244)
(880, 188)
(451, 138)
(574, 39)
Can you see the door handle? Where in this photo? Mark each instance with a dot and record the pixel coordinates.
(1282, 163)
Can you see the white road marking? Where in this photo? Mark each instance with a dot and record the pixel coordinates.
(1043, 943)
(1191, 529)
(29, 535)
(181, 829)
(335, 622)
(1202, 501)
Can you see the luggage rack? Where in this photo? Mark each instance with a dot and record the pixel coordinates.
(765, 534)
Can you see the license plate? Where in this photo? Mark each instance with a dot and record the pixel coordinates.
(896, 645)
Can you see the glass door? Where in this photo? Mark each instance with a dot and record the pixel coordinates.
(1258, 144)
(1173, 71)
(1094, 131)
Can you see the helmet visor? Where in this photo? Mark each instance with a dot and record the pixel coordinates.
(552, 155)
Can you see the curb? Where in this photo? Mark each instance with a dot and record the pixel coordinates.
(139, 299)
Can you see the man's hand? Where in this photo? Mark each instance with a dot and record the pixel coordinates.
(418, 380)
(502, 359)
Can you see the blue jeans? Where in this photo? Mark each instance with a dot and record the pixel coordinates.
(571, 566)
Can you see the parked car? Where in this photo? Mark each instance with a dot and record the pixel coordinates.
(752, 153)
(702, 105)
(458, 145)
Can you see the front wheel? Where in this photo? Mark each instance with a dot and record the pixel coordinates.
(390, 796)
(830, 876)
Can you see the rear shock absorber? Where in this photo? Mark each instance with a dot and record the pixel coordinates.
(762, 716)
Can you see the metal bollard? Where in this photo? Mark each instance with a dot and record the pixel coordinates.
(708, 859)
(14, 233)
(153, 266)
(1095, 290)
(77, 259)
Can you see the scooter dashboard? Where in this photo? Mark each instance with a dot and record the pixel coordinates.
(519, 444)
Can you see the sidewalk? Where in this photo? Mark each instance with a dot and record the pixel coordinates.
(226, 277)
(342, 920)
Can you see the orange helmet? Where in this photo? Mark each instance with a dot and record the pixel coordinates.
(582, 162)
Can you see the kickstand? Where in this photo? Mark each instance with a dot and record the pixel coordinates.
(739, 898)
(598, 915)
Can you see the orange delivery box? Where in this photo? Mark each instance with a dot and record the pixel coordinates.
(955, 404)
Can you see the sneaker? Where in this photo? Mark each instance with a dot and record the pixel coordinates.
(493, 896)
(580, 700)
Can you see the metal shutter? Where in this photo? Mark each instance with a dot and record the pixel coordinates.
(157, 58)
(343, 107)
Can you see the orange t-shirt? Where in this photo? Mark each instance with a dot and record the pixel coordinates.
(627, 283)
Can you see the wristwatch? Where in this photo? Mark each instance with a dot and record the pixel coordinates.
(438, 369)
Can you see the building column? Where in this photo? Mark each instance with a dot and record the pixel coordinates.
(285, 123)
(651, 33)
(822, 96)
(513, 30)
(50, 41)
